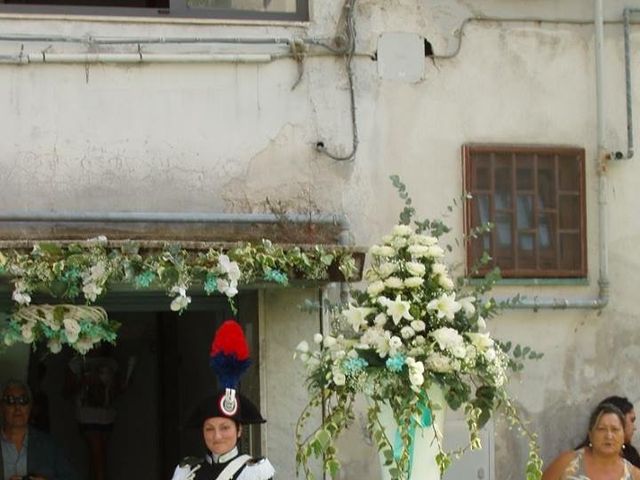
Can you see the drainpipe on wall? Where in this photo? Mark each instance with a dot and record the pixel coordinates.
(602, 158)
(627, 70)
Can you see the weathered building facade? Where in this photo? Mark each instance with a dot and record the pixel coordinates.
(151, 113)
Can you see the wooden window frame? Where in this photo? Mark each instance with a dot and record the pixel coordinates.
(517, 151)
(176, 9)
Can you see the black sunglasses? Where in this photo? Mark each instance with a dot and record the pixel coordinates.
(13, 400)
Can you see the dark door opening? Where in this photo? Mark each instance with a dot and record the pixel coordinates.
(171, 373)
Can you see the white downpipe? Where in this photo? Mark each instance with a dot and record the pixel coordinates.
(601, 160)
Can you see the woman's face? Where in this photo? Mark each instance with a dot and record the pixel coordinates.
(629, 425)
(220, 434)
(607, 436)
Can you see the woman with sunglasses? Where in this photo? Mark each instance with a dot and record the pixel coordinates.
(27, 453)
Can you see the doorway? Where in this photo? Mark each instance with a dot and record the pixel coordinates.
(166, 357)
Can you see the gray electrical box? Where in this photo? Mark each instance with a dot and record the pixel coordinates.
(401, 56)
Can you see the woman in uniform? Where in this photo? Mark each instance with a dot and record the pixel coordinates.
(223, 415)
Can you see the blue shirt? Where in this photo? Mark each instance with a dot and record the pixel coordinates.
(14, 461)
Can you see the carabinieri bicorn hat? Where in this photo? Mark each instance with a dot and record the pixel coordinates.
(229, 359)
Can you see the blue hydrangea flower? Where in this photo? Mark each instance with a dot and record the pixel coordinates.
(353, 366)
(211, 283)
(273, 275)
(395, 363)
(145, 279)
(71, 274)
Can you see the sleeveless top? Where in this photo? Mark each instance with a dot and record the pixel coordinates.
(575, 470)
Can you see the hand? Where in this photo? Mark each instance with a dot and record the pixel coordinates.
(185, 473)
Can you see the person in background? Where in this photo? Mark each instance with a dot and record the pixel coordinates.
(601, 458)
(95, 381)
(626, 407)
(27, 453)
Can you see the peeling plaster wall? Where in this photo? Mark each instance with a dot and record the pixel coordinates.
(224, 137)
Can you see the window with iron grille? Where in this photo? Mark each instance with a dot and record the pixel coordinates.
(534, 197)
(294, 10)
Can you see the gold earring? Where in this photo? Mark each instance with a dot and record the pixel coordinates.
(590, 444)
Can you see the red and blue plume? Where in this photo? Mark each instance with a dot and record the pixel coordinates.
(229, 355)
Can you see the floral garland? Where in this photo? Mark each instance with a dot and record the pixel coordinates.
(412, 328)
(79, 326)
(86, 271)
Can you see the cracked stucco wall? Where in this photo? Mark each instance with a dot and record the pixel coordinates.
(221, 137)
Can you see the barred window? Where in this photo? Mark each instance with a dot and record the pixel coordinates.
(535, 199)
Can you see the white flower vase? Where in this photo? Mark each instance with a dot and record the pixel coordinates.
(425, 444)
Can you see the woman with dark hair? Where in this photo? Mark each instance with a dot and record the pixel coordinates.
(221, 417)
(626, 407)
(601, 458)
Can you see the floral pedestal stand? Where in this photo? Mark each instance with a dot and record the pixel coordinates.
(425, 444)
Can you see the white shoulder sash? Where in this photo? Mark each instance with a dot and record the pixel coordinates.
(233, 467)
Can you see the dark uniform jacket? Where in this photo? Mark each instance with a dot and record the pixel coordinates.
(251, 469)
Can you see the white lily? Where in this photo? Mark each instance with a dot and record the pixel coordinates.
(397, 309)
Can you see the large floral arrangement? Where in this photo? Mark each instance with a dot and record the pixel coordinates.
(83, 272)
(411, 328)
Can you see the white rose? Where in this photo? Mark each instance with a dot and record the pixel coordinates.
(399, 242)
(425, 240)
(91, 291)
(371, 336)
(416, 269)
(54, 345)
(413, 282)
(339, 378)
(83, 345)
(418, 325)
(386, 251)
(395, 343)
(438, 269)
(180, 303)
(386, 269)
(438, 362)
(418, 251)
(419, 340)
(375, 288)
(407, 332)
(402, 230)
(317, 338)
(329, 341)
(490, 354)
(459, 351)
(380, 320)
(27, 332)
(414, 365)
(71, 329)
(434, 251)
(447, 338)
(303, 347)
(445, 282)
(394, 282)
(416, 379)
